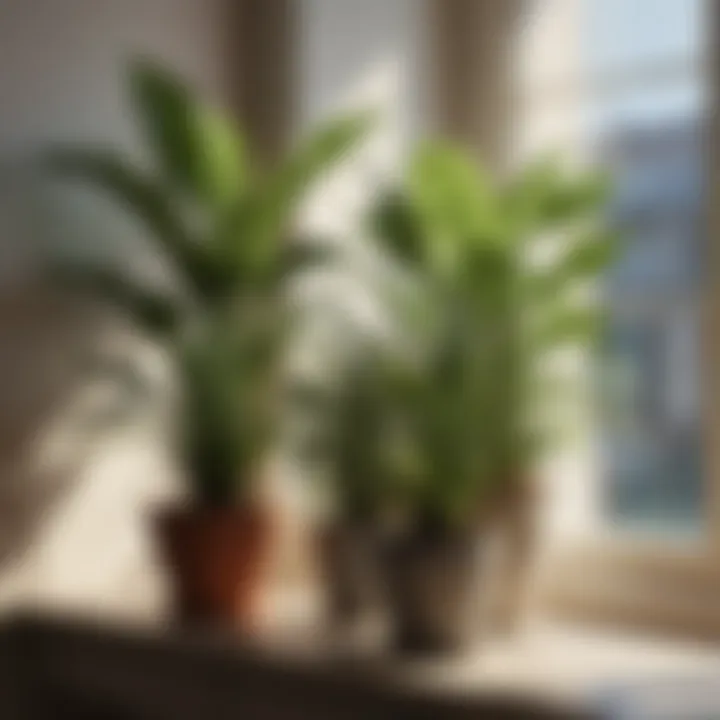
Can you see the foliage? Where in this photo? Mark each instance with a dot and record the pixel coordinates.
(220, 224)
(460, 426)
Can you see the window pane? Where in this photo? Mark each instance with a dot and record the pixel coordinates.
(651, 442)
(650, 134)
(646, 107)
(627, 34)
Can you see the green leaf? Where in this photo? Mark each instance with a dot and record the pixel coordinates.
(575, 198)
(393, 222)
(584, 260)
(223, 168)
(489, 274)
(590, 256)
(312, 159)
(322, 149)
(228, 418)
(523, 198)
(251, 233)
(452, 193)
(302, 256)
(155, 313)
(146, 200)
(195, 146)
(545, 198)
(567, 327)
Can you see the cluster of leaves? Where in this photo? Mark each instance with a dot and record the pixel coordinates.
(220, 224)
(457, 430)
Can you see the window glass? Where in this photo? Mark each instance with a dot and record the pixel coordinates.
(645, 117)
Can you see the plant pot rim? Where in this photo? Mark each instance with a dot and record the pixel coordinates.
(194, 509)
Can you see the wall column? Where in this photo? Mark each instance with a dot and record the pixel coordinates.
(263, 41)
(472, 43)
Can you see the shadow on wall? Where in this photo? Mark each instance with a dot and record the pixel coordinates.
(46, 342)
(73, 469)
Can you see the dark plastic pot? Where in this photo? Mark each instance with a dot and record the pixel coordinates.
(433, 582)
(215, 558)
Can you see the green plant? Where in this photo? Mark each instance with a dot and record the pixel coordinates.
(221, 225)
(460, 408)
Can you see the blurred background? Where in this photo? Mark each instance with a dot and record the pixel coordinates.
(628, 85)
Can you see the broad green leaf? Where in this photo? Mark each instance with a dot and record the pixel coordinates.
(455, 199)
(195, 146)
(317, 153)
(524, 196)
(149, 202)
(251, 233)
(301, 256)
(584, 260)
(155, 313)
(393, 222)
(309, 162)
(223, 168)
(489, 272)
(137, 193)
(576, 198)
(566, 327)
(544, 198)
(589, 256)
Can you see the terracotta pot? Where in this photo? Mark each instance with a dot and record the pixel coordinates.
(350, 565)
(433, 584)
(215, 558)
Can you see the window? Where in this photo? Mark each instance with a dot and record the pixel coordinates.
(624, 83)
(621, 82)
(646, 115)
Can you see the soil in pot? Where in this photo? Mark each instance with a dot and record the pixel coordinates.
(432, 578)
(215, 559)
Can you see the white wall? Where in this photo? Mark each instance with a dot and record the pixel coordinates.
(356, 55)
(362, 54)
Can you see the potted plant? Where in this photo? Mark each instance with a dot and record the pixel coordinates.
(341, 444)
(462, 421)
(220, 224)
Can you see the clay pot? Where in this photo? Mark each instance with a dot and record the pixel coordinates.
(433, 582)
(215, 558)
(350, 565)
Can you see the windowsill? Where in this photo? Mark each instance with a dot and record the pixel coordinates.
(571, 664)
(547, 671)
(669, 586)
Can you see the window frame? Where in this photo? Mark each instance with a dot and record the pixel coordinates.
(666, 584)
(631, 576)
